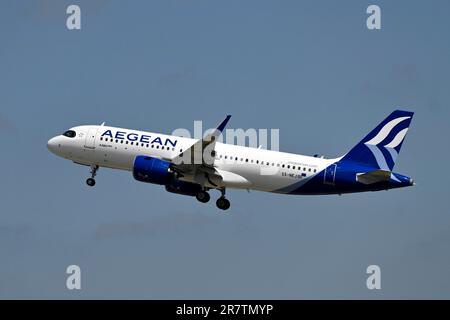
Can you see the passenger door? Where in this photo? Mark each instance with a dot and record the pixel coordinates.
(90, 138)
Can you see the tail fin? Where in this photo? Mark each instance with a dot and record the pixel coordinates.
(380, 148)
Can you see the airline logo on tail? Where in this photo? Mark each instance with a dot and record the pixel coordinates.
(381, 142)
(380, 148)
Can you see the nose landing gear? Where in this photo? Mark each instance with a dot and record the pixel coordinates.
(91, 181)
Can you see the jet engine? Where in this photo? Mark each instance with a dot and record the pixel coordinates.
(157, 171)
(152, 170)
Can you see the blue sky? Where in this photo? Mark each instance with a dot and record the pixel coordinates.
(309, 68)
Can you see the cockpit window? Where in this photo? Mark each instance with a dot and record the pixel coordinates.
(70, 134)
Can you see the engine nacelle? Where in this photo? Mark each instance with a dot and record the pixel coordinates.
(151, 170)
(157, 171)
(183, 187)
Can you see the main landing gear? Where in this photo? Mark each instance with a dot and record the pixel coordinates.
(91, 181)
(203, 196)
(222, 203)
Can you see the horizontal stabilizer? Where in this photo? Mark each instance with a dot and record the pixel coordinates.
(373, 176)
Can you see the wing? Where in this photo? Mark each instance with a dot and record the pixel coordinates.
(198, 160)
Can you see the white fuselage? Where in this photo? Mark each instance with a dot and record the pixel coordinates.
(240, 167)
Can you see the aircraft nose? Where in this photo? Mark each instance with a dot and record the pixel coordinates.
(53, 145)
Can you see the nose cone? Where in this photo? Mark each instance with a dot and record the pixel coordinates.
(53, 145)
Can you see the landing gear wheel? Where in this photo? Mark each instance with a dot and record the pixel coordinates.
(222, 203)
(90, 182)
(203, 196)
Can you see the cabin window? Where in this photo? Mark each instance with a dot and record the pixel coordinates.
(282, 166)
(101, 138)
(246, 160)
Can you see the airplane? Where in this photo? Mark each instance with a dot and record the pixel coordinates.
(192, 167)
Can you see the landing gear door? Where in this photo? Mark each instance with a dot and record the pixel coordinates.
(90, 138)
(330, 173)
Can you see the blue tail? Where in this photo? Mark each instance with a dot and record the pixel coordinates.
(380, 148)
